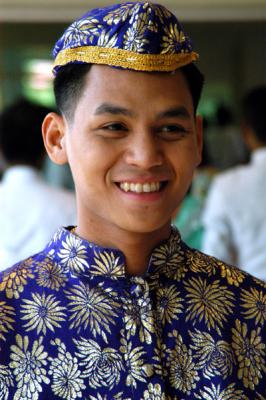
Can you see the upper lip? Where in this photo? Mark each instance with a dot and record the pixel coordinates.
(143, 180)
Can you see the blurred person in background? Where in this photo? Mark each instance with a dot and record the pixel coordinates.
(224, 141)
(30, 209)
(188, 218)
(235, 213)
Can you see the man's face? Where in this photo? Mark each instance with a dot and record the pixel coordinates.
(132, 146)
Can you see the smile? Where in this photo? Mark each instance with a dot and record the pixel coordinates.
(141, 188)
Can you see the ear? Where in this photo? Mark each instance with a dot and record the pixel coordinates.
(53, 132)
(199, 138)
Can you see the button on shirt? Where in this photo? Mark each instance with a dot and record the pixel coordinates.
(74, 325)
(235, 216)
(30, 213)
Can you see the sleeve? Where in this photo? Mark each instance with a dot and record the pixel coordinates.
(217, 237)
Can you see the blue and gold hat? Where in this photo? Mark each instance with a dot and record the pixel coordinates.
(141, 36)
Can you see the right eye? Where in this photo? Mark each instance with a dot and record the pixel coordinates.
(114, 127)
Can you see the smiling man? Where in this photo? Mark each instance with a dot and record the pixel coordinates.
(119, 307)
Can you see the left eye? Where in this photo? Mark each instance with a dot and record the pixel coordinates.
(171, 132)
(172, 128)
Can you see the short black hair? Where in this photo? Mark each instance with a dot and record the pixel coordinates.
(20, 133)
(254, 111)
(69, 83)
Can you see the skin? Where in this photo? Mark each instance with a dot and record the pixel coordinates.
(128, 127)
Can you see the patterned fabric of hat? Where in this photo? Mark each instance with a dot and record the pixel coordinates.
(140, 36)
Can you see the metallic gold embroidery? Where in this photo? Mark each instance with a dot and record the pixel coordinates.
(29, 367)
(13, 283)
(215, 358)
(250, 353)
(154, 392)
(125, 58)
(254, 301)
(51, 275)
(73, 254)
(169, 304)
(42, 312)
(208, 302)
(91, 308)
(6, 320)
(182, 372)
(105, 263)
(67, 382)
(102, 366)
(215, 393)
(6, 381)
(134, 358)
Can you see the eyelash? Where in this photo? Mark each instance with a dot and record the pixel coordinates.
(167, 132)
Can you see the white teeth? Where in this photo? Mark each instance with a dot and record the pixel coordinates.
(140, 188)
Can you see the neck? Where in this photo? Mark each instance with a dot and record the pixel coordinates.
(136, 247)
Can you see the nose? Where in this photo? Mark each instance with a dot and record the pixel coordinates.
(144, 150)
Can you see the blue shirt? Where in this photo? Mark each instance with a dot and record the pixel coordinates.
(74, 325)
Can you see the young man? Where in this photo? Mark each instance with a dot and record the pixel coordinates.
(119, 307)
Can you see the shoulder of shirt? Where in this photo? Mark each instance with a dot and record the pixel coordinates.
(210, 268)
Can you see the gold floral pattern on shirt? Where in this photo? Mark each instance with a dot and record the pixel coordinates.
(154, 392)
(73, 254)
(199, 262)
(66, 376)
(182, 372)
(106, 335)
(80, 31)
(233, 275)
(90, 307)
(107, 264)
(250, 353)
(51, 275)
(215, 393)
(28, 367)
(102, 366)
(6, 381)
(254, 301)
(208, 302)
(169, 303)
(169, 259)
(139, 318)
(42, 312)
(6, 320)
(172, 39)
(134, 361)
(214, 358)
(14, 281)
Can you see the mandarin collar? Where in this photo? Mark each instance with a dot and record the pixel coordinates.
(81, 257)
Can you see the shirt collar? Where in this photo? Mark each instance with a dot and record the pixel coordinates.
(81, 257)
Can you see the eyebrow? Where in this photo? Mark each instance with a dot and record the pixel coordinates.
(175, 112)
(108, 108)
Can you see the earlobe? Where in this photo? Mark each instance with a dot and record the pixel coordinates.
(53, 131)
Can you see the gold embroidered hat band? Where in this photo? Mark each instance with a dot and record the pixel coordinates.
(141, 36)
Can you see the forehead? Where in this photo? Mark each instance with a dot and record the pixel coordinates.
(104, 83)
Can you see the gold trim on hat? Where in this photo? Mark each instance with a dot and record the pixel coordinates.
(125, 58)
